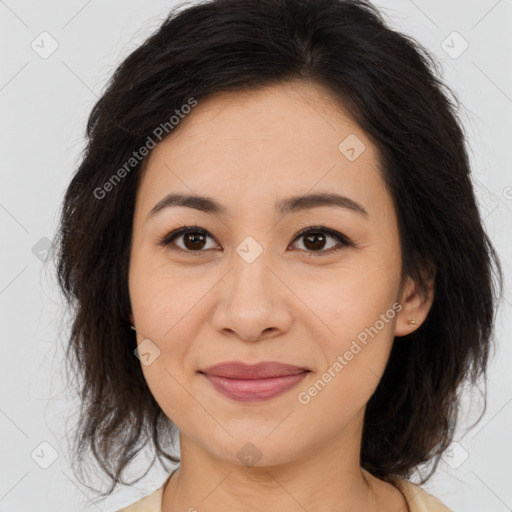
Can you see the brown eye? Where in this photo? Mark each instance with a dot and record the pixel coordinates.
(193, 239)
(315, 240)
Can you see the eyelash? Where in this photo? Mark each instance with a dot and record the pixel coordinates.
(342, 239)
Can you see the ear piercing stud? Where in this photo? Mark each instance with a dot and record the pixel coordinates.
(133, 328)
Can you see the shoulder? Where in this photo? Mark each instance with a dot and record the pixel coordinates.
(150, 503)
(418, 499)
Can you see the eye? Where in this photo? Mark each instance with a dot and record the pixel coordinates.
(315, 238)
(193, 238)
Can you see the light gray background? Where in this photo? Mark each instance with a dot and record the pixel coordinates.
(44, 105)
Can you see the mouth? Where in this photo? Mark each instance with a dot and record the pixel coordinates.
(253, 383)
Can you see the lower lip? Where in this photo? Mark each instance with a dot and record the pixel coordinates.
(254, 390)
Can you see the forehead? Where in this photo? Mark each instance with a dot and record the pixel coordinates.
(291, 137)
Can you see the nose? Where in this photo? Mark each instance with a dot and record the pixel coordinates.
(254, 303)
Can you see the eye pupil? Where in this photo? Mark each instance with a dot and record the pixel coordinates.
(314, 238)
(194, 238)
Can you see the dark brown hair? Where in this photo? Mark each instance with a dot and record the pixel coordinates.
(390, 85)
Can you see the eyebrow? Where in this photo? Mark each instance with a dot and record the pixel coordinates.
(284, 206)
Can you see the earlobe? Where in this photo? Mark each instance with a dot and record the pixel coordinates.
(415, 307)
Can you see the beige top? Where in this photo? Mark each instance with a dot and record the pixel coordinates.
(417, 499)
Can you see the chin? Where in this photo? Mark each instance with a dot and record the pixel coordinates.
(263, 447)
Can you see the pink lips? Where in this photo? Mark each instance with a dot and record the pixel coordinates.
(248, 383)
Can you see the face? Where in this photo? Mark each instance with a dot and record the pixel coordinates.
(313, 284)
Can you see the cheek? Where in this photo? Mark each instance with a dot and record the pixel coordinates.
(357, 313)
(354, 360)
(164, 296)
(347, 301)
(168, 306)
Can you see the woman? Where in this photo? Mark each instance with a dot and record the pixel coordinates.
(273, 247)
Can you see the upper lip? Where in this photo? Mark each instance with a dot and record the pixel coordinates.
(265, 369)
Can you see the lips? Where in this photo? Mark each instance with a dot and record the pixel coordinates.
(236, 370)
(247, 383)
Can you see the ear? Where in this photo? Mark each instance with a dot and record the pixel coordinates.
(415, 305)
(131, 319)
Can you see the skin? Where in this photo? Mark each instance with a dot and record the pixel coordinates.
(210, 305)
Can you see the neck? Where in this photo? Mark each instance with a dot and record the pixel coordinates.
(317, 481)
